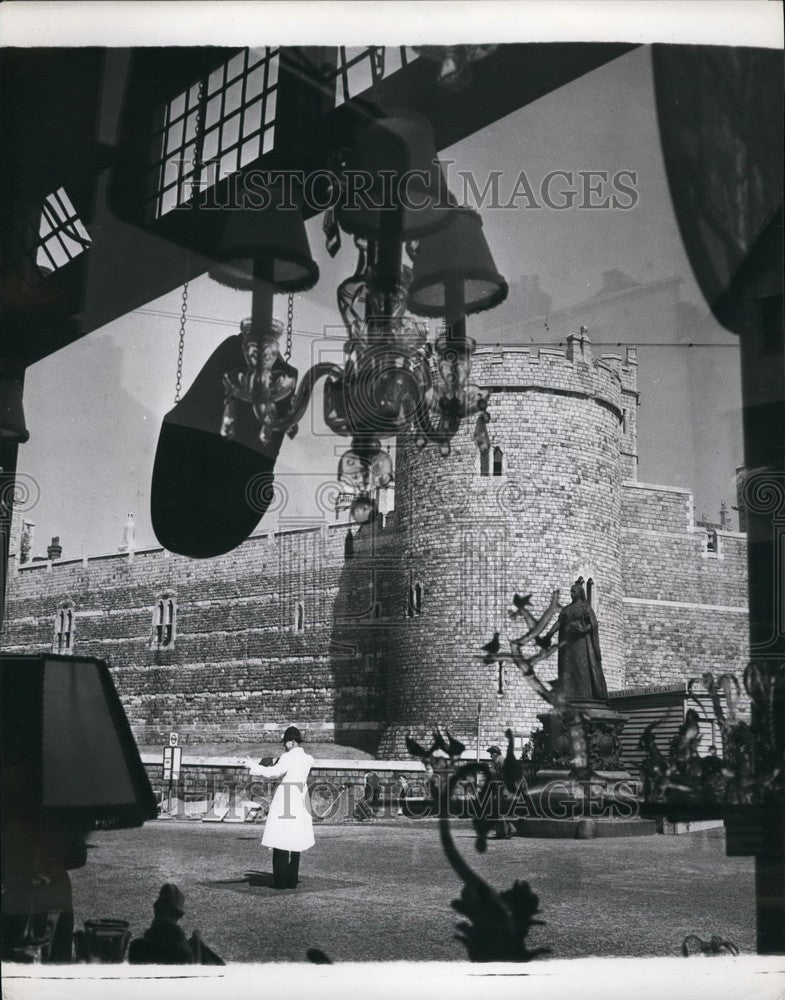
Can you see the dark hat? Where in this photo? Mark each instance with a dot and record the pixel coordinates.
(170, 902)
(292, 733)
(492, 750)
(210, 491)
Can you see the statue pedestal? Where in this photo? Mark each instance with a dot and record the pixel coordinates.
(603, 747)
(562, 805)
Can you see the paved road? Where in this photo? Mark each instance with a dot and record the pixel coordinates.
(383, 893)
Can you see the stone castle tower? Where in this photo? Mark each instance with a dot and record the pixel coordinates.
(541, 510)
(361, 636)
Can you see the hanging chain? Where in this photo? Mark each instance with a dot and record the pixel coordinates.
(183, 312)
(289, 322)
(195, 187)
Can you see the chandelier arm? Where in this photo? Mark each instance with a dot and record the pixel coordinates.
(425, 425)
(303, 394)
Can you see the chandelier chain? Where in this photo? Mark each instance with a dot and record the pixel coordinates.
(195, 188)
(289, 325)
(183, 314)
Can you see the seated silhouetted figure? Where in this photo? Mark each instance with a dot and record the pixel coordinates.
(164, 942)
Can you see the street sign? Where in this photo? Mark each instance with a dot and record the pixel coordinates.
(171, 762)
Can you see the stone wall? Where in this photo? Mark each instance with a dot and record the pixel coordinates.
(240, 666)
(685, 590)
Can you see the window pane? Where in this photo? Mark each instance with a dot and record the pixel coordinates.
(190, 128)
(250, 151)
(253, 87)
(229, 163)
(215, 80)
(72, 248)
(236, 66)
(269, 139)
(177, 107)
(168, 200)
(231, 133)
(359, 77)
(392, 59)
(174, 137)
(210, 148)
(233, 98)
(213, 112)
(253, 118)
(272, 103)
(272, 71)
(256, 55)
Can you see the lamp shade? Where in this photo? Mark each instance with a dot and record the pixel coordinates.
(210, 489)
(457, 257)
(69, 758)
(395, 166)
(265, 236)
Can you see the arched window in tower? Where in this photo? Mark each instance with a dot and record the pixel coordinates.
(63, 641)
(299, 617)
(376, 611)
(418, 598)
(590, 592)
(164, 620)
(498, 461)
(501, 677)
(485, 463)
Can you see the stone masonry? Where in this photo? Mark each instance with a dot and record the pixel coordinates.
(314, 627)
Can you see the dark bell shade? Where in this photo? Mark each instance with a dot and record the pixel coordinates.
(457, 253)
(269, 240)
(70, 761)
(399, 155)
(12, 415)
(208, 492)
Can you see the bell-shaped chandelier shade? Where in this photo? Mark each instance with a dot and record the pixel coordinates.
(454, 272)
(395, 181)
(267, 242)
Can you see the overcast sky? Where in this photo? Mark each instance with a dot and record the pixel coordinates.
(94, 409)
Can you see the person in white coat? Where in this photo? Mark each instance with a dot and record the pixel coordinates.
(289, 826)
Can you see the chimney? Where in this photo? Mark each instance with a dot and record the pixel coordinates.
(26, 541)
(54, 550)
(129, 536)
(724, 517)
(740, 506)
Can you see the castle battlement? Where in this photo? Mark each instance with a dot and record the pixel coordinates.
(570, 370)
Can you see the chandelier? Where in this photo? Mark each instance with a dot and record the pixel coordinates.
(393, 380)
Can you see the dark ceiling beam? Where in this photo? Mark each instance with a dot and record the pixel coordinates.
(55, 99)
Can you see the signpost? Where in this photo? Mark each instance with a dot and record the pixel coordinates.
(171, 765)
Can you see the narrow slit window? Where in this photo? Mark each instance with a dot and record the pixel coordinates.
(485, 463)
(164, 620)
(299, 618)
(63, 640)
(498, 461)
